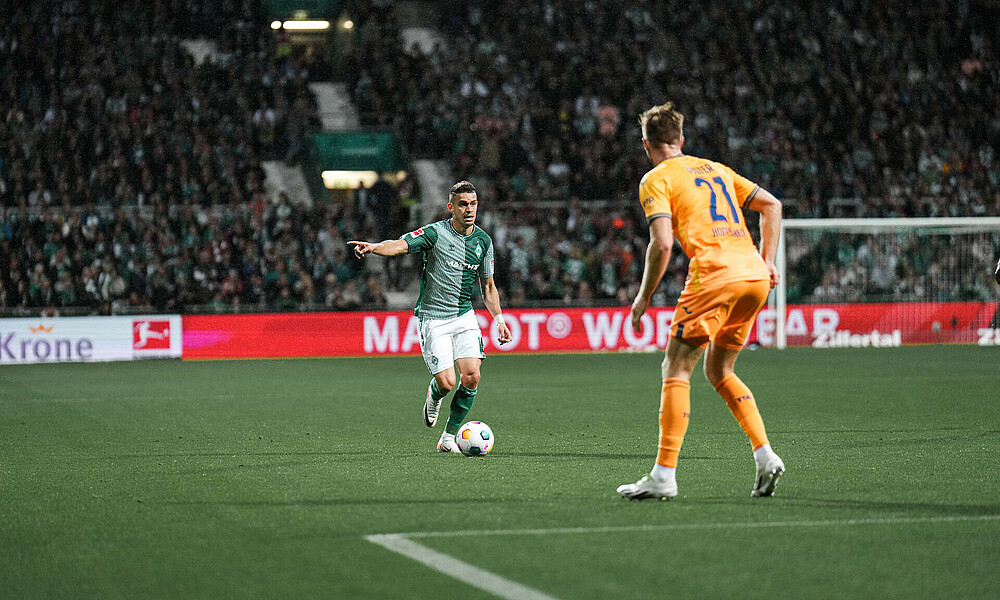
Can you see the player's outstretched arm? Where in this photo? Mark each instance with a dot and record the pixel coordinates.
(769, 208)
(383, 248)
(491, 297)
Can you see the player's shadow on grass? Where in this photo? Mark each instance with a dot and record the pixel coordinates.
(865, 431)
(242, 454)
(321, 502)
(615, 455)
(610, 455)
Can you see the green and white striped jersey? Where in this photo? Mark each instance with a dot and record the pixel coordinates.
(452, 262)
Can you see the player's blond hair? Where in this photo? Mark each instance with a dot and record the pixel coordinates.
(662, 124)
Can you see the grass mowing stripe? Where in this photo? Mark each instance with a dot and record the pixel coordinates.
(688, 526)
(474, 576)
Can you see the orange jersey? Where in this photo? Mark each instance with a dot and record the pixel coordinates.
(703, 199)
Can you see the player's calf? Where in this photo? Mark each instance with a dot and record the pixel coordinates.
(432, 403)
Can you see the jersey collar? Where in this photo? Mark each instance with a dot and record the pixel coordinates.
(458, 233)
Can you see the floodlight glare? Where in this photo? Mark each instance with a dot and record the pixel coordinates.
(306, 25)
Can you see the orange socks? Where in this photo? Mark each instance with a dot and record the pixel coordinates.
(675, 410)
(741, 403)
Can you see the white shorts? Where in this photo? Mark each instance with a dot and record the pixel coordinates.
(442, 341)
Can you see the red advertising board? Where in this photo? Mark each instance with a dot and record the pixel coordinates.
(396, 332)
(574, 330)
(878, 324)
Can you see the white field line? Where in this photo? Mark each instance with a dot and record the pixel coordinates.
(462, 571)
(688, 526)
(505, 588)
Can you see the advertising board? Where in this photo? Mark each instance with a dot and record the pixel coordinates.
(83, 339)
(573, 330)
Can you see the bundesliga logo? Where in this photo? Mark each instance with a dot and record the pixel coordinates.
(151, 335)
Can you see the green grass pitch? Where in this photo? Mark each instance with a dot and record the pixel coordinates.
(260, 479)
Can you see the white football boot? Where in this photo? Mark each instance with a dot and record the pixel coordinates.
(647, 487)
(447, 444)
(768, 473)
(431, 408)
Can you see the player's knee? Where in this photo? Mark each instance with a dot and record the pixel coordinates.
(711, 374)
(678, 369)
(471, 379)
(716, 373)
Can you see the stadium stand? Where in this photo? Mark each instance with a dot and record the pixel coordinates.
(543, 97)
(130, 175)
(536, 102)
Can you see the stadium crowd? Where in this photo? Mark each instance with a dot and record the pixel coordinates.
(103, 106)
(259, 257)
(108, 123)
(131, 178)
(893, 267)
(890, 105)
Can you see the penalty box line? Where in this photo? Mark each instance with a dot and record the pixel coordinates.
(401, 543)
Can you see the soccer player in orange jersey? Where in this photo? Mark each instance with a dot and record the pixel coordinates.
(697, 202)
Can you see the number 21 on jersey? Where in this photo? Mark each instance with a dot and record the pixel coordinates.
(712, 207)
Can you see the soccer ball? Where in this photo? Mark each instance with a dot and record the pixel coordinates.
(475, 439)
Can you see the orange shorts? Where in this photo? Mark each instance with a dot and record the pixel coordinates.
(722, 314)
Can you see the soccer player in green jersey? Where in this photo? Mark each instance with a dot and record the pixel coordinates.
(455, 254)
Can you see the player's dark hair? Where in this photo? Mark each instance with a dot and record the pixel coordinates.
(662, 124)
(462, 187)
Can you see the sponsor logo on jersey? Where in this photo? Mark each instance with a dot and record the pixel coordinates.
(461, 265)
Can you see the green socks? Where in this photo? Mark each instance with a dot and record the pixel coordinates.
(436, 393)
(461, 403)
